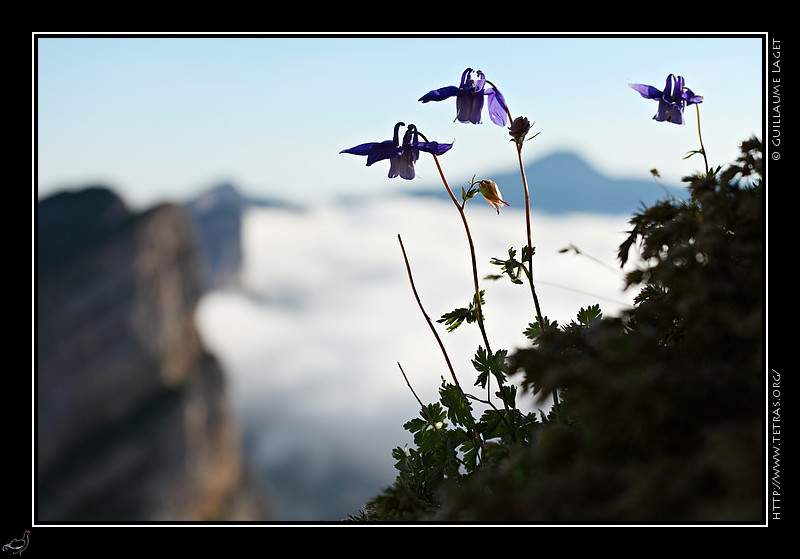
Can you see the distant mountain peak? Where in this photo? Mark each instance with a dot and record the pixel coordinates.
(562, 156)
(226, 195)
(563, 182)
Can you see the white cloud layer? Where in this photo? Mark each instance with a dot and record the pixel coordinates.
(312, 346)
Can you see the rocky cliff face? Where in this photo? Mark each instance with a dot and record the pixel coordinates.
(132, 418)
(218, 214)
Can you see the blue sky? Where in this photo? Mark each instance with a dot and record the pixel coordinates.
(162, 118)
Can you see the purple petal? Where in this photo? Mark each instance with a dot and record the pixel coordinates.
(469, 106)
(691, 98)
(465, 75)
(434, 147)
(674, 88)
(497, 107)
(480, 83)
(646, 91)
(384, 150)
(667, 112)
(403, 165)
(361, 149)
(439, 94)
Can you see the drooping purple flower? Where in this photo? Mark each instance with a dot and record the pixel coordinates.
(469, 98)
(672, 101)
(401, 156)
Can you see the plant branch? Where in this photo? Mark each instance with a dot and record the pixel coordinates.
(425, 314)
(702, 148)
(529, 272)
(478, 304)
(424, 409)
(463, 215)
(436, 335)
(528, 230)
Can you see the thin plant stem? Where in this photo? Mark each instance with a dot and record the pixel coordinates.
(479, 314)
(463, 215)
(425, 314)
(529, 271)
(702, 148)
(428, 415)
(436, 335)
(424, 409)
(528, 230)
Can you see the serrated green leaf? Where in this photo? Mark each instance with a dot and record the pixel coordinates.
(415, 425)
(471, 449)
(426, 439)
(535, 329)
(403, 462)
(492, 423)
(508, 395)
(467, 194)
(589, 314)
(527, 253)
(435, 411)
(487, 364)
(459, 410)
(585, 317)
(457, 317)
(510, 266)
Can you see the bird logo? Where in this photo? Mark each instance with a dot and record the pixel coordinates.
(18, 545)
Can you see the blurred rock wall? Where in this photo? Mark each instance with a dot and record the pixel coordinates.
(132, 417)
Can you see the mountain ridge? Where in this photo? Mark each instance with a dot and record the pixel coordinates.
(564, 182)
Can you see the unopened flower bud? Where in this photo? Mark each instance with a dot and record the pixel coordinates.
(491, 193)
(519, 128)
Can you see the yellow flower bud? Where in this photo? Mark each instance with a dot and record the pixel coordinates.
(490, 191)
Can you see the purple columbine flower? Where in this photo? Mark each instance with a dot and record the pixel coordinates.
(671, 101)
(401, 156)
(469, 98)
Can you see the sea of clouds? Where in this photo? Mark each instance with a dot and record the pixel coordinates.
(311, 344)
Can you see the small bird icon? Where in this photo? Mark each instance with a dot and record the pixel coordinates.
(17, 545)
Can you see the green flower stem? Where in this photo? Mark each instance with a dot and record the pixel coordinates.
(529, 270)
(479, 316)
(424, 409)
(528, 228)
(463, 215)
(425, 314)
(436, 335)
(702, 148)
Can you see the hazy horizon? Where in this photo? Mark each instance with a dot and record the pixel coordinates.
(166, 117)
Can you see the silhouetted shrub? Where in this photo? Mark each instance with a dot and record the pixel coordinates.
(662, 406)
